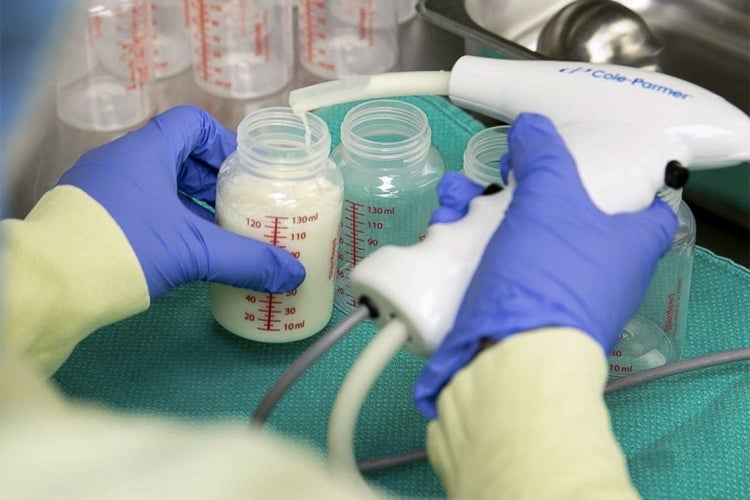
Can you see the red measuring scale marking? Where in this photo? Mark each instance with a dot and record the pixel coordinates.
(352, 244)
(314, 28)
(159, 63)
(360, 225)
(222, 27)
(207, 33)
(366, 14)
(276, 312)
(131, 25)
(137, 51)
(313, 33)
(260, 35)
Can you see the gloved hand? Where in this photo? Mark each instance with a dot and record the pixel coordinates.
(145, 180)
(455, 192)
(555, 260)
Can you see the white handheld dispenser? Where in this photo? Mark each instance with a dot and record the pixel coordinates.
(630, 132)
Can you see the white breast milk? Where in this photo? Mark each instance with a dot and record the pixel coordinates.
(295, 207)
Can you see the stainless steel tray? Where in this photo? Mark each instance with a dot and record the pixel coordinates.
(705, 42)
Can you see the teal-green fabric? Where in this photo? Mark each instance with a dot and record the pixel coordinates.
(723, 191)
(684, 437)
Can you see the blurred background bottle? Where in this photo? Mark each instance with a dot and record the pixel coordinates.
(242, 49)
(341, 38)
(171, 37)
(105, 77)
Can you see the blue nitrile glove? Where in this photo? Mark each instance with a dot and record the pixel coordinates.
(455, 192)
(555, 260)
(145, 180)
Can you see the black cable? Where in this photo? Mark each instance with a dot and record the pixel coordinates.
(301, 364)
(638, 378)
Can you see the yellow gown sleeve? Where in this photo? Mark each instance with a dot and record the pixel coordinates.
(524, 420)
(527, 419)
(67, 270)
(54, 448)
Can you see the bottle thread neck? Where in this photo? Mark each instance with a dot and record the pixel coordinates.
(386, 133)
(672, 197)
(483, 152)
(276, 142)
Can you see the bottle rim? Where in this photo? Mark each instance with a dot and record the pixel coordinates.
(387, 130)
(278, 138)
(483, 152)
(672, 197)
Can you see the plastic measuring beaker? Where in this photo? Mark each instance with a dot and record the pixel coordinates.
(171, 37)
(105, 79)
(407, 10)
(242, 48)
(391, 171)
(482, 155)
(654, 337)
(280, 187)
(340, 38)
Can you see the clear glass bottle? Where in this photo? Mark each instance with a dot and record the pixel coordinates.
(654, 337)
(390, 171)
(482, 155)
(280, 187)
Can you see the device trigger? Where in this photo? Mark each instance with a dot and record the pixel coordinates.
(675, 175)
(364, 300)
(492, 189)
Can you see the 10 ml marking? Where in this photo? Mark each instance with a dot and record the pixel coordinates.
(616, 367)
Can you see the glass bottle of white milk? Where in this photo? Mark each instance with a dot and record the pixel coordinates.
(280, 187)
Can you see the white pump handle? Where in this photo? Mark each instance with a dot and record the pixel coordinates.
(423, 284)
(622, 125)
